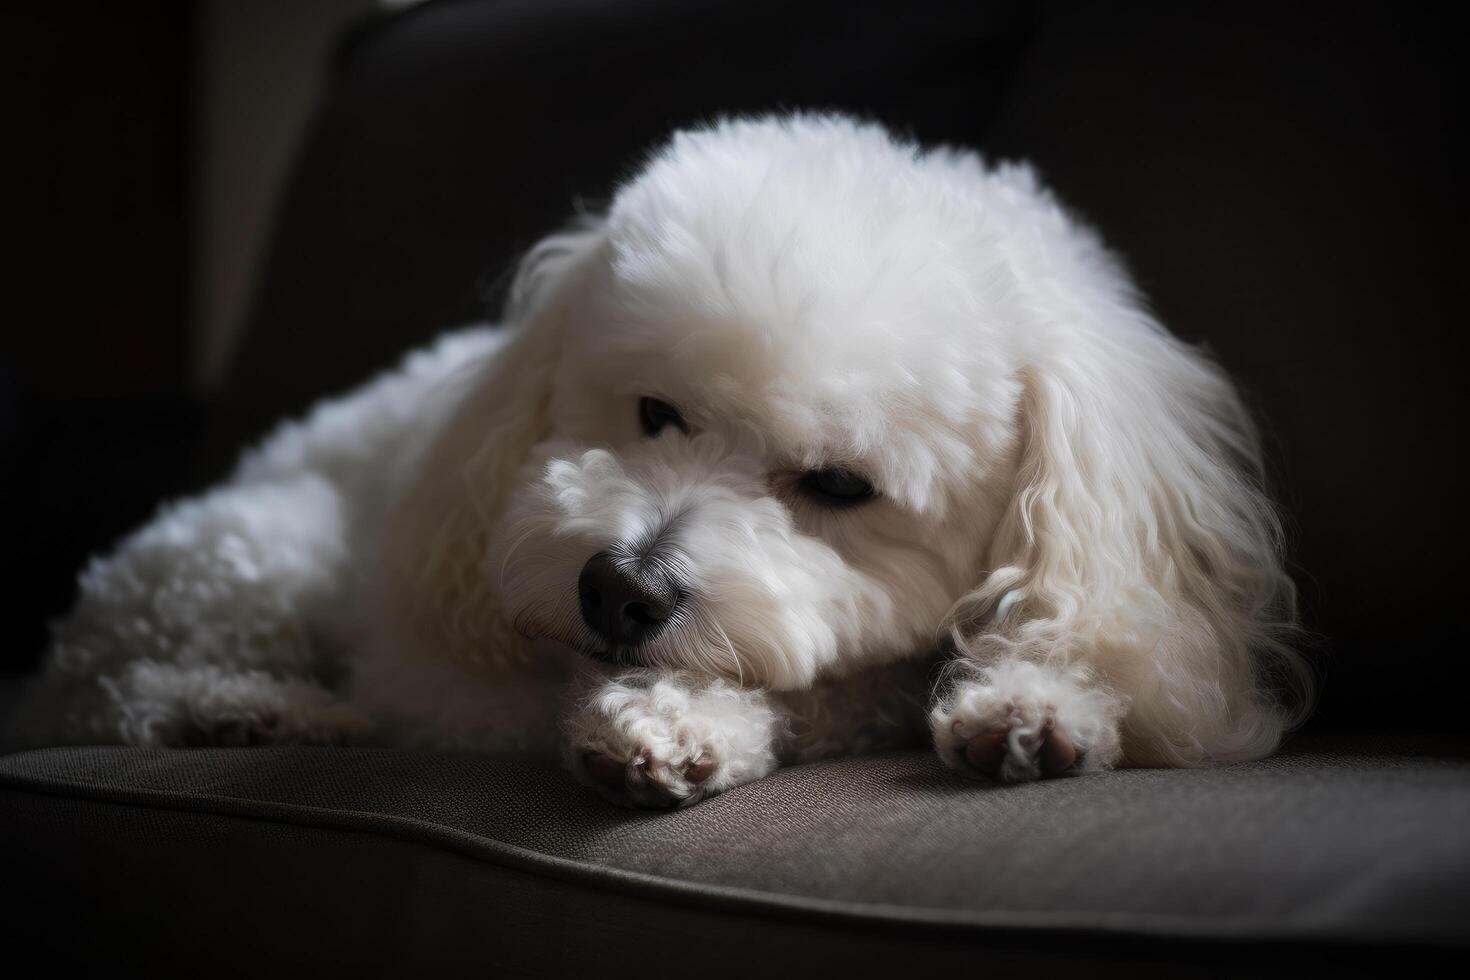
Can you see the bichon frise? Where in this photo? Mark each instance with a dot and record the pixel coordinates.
(815, 444)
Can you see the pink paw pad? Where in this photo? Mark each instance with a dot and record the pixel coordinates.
(632, 782)
(1048, 749)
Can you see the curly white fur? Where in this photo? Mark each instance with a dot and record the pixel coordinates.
(1069, 501)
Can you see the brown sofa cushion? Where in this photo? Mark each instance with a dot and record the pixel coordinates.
(1336, 842)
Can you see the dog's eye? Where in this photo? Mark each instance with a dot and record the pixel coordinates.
(837, 486)
(654, 415)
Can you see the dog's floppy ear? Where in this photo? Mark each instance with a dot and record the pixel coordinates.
(1139, 543)
(441, 526)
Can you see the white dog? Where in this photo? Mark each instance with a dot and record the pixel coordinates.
(814, 444)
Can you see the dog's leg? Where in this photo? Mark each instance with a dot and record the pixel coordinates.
(169, 705)
(659, 740)
(205, 627)
(1014, 721)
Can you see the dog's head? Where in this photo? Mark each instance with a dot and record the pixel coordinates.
(805, 395)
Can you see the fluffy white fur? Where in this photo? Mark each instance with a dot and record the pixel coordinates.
(1069, 507)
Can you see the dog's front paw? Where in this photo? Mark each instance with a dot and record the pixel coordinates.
(666, 743)
(1017, 722)
(647, 779)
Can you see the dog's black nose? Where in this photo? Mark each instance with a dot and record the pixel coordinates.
(624, 600)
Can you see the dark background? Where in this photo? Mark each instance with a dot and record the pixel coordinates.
(97, 419)
(1281, 178)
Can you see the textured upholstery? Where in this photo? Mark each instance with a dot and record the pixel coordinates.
(1336, 841)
